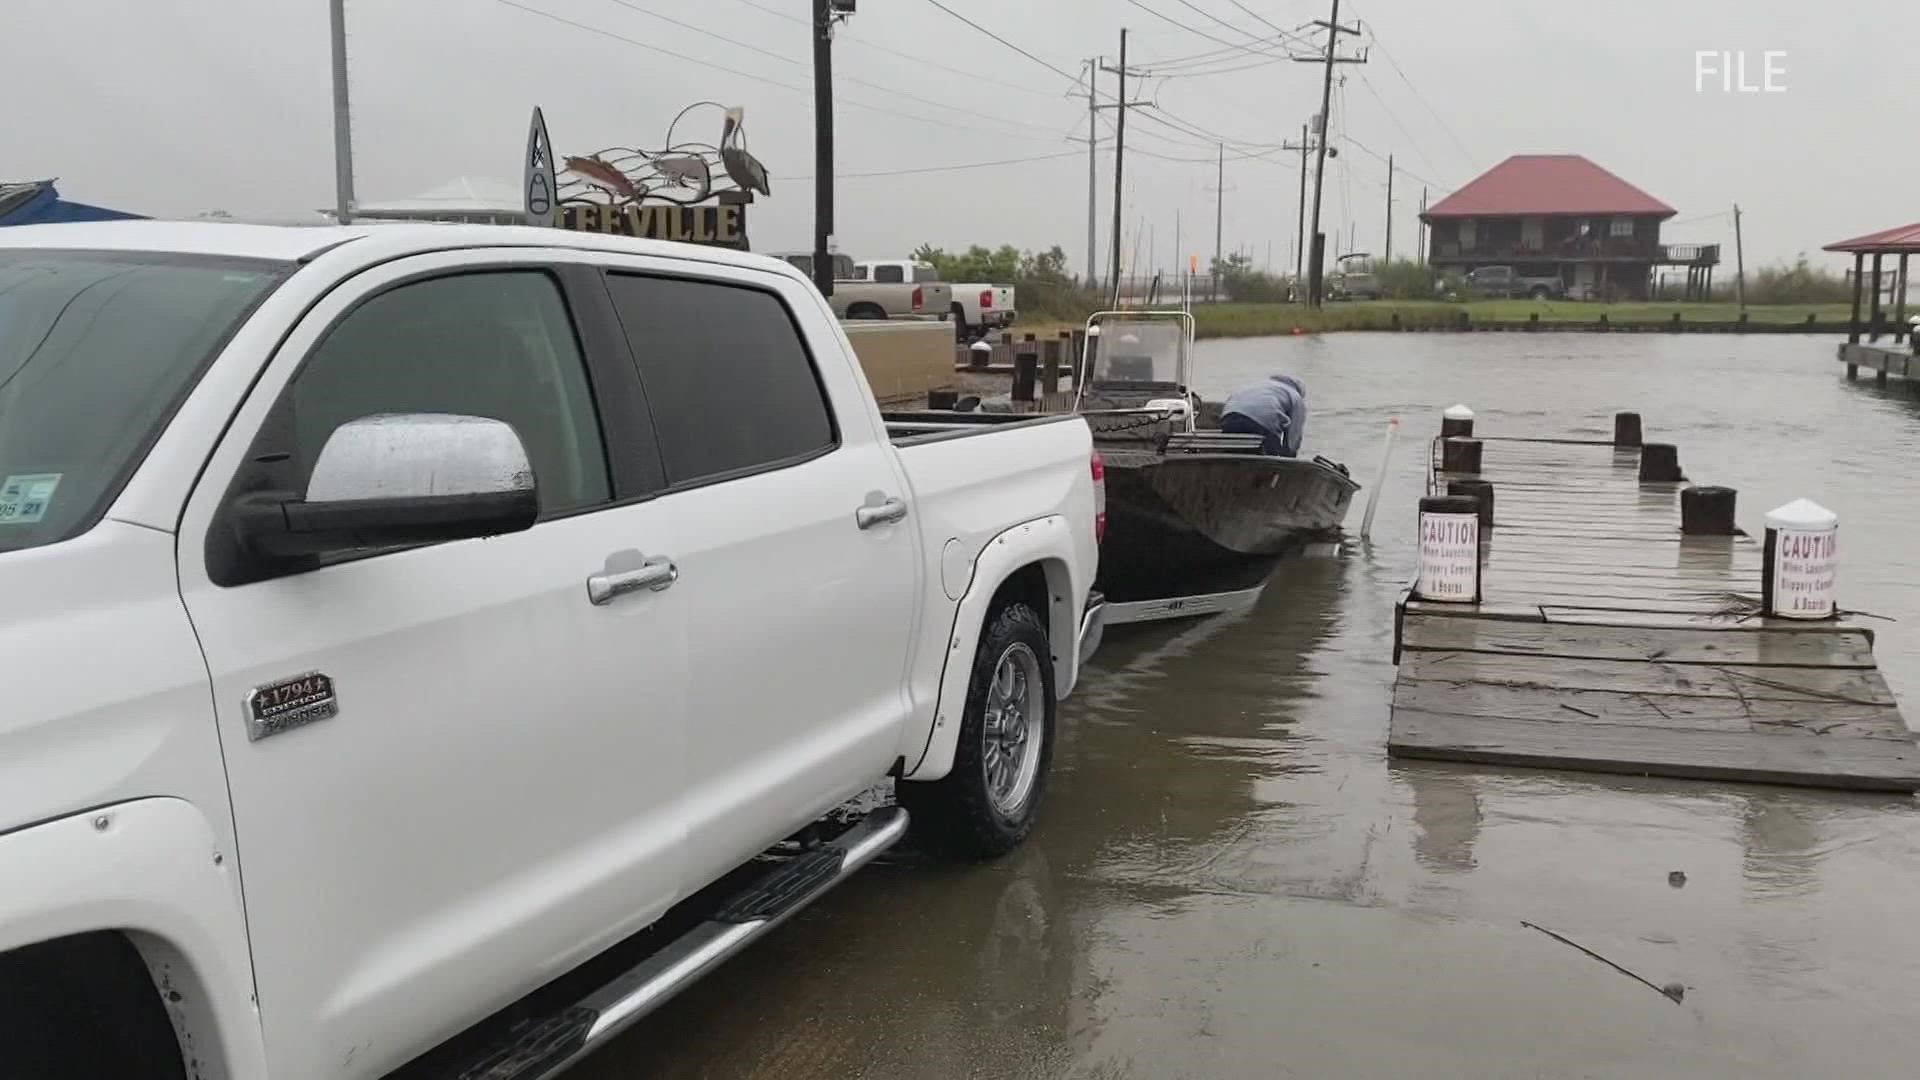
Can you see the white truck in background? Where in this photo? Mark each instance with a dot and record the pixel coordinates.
(978, 308)
(858, 299)
(400, 618)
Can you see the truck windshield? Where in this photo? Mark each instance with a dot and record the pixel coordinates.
(97, 349)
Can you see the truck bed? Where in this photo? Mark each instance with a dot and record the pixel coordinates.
(918, 427)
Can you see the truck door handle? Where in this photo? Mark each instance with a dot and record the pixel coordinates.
(885, 513)
(657, 574)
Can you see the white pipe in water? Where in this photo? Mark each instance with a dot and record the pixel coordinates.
(1379, 478)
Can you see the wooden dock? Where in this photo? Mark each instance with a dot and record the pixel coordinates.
(1882, 360)
(1606, 641)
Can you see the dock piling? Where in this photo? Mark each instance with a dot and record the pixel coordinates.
(1456, 421)
(1626, 429)
(979, 355)
(1660, 463)
(1050, 367)
(1481, 492)
(1026, 370)
(1460, 455)
(1707, 510)
(1798, 561)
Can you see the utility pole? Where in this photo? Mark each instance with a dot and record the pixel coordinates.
(1329, 58)
(342, 116)
(1093, 165)
(1388, 258)
(823, 145)
(1305, 147)
(1421, 255)
(1119, 156)
(1219, 203)
(1740, 261)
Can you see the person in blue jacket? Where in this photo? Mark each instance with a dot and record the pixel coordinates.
(1276, 410)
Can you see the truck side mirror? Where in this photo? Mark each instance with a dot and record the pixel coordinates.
(397, 479)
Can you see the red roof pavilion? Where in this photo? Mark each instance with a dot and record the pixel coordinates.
(1541, 184)
(1899, 240)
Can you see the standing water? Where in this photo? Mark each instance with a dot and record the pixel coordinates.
(1231, 879)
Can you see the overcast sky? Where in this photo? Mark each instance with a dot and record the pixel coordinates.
(139, 106)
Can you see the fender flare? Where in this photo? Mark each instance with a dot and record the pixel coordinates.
(1046, 542)
(150, 869)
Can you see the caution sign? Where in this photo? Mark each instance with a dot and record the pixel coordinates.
(1449, 557)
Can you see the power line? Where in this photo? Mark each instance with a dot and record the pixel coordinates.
(890, 51)
(1381, 158)
(1191, 6)
(1057, 71)
(1373, 36)
(1391, 115)
(1293, 34)
(630, 6)
(1163, 17)
(708, 64)
(948, 168)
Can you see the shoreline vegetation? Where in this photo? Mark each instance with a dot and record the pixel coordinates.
(1254, 305)
(1230, 319)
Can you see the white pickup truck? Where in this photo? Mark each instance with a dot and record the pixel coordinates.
(399, 621)
(978, 307)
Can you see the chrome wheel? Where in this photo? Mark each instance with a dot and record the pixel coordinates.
(1013, 729)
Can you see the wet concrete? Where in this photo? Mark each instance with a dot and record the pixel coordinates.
(1232, 879)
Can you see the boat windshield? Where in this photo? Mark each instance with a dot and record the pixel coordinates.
(1140, 352)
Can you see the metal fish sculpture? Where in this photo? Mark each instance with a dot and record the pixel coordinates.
(603, 176)
(688, 171)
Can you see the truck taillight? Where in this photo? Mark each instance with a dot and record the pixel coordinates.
(986, 300)
(1099, 498)
(919, 298)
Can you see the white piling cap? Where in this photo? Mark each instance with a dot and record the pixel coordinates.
(980, 346)
(1458, 412)
(1094, 330)
(1802, 514)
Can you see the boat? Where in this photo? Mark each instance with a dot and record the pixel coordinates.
(1196, 517)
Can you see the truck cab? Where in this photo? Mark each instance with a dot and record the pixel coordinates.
(419, 612)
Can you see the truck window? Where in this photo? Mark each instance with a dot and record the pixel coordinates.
(497, 344)
(728, 379)
(97, 350)
(889, 273)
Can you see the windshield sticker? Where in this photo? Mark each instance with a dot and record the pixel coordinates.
(24, 499)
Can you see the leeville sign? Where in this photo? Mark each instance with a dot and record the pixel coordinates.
(670, 195)
(720, 225)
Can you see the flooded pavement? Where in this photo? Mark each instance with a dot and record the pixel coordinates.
(1231, 879)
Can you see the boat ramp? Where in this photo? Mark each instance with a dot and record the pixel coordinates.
(1607, 639)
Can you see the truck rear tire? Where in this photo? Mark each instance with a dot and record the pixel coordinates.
(1540, 292)
(987, 805)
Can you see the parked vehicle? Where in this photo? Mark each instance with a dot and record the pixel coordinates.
(855, 298)
(402, 617)
(1352, 280)
(1502, 282)
(979, 308)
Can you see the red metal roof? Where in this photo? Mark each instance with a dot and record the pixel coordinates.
(1547, 184)
(1900, 240)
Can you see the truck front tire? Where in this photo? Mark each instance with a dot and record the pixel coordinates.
(987, 805)
(83, 1008)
